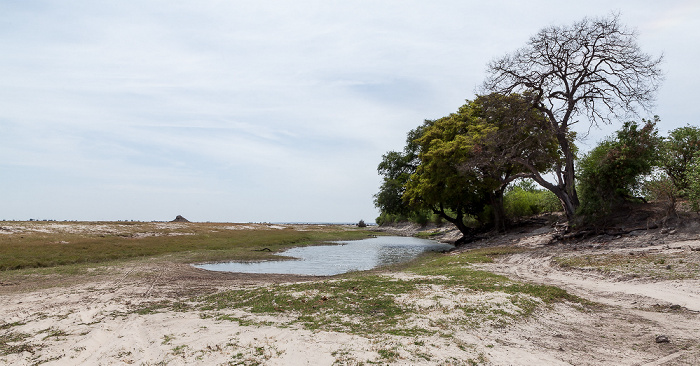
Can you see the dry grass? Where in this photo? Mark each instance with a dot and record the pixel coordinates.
(46, 244)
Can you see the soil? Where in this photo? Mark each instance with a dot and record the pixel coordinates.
(91, 319)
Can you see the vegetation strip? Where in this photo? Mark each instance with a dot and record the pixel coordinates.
(37, 247)
(386, 304)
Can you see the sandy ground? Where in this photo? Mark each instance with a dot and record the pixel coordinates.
(93, 322)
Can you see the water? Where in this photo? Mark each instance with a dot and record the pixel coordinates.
(348, 256)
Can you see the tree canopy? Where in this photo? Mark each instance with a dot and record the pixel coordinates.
(678, 152)
(610, 173)
(468, 158)
(592, 69)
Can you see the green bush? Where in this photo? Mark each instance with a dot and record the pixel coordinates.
(678, 151)
(661, 188)
(611, 173)
(421, 218)
(694, 183)
(524, 199)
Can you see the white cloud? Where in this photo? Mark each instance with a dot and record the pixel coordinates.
(278, 107)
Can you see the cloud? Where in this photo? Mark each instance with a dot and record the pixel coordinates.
(280, 109)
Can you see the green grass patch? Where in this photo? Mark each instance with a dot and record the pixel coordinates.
(39, 248)
(13, 342)
(428, 234)
(369, 303)
(673, 266)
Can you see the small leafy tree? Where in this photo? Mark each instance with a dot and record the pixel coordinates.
(396, 168)
(693, 175)
(610, 173)
(677, 155)
(438, 184)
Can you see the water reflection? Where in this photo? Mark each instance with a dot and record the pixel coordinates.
(328, 260)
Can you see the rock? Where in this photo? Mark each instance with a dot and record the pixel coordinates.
(675, 307)
(662, 339)
(179, 218)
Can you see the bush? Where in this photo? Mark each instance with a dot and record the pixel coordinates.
(611, 173)
(677, 155)
(661, 188)
(524, 199)
(421, 218)
(694, 183)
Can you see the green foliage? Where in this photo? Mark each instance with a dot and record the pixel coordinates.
(611, 172)
(659, 187)
(196, 242)
(468, 158)
(421, 217)
(438, 183)
(693, 175)
(396, 169)
(378, 304)
(525, 199)
(677, 155)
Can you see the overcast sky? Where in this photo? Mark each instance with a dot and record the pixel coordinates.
(248, 111)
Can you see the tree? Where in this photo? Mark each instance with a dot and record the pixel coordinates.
(610, 173)
(592, 69)
(467, 158)
(694, 182)
(521, 135)
(678, 152)
(396, 168)
(438, 184)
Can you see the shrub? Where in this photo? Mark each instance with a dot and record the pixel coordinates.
(661, 188)
(694, 183)
(610, 173)
(524, 199)
(677, 155)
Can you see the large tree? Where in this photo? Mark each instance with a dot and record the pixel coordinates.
(593, 70)
(467, 158)
(438, 184)
(396, 167)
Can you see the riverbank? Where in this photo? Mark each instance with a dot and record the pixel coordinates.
(622, 294)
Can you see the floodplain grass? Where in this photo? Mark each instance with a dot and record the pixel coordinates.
(14, 342)
(671, 266)
(370, 303)
(193, 242)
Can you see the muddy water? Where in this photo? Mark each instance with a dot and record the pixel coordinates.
(346, 256)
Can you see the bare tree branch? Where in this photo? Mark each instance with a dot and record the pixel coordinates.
(592, 69)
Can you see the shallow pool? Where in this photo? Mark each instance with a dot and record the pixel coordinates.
(346, 256)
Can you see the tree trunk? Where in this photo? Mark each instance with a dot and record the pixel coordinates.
(566, 194)
(567, 203)
(571, 201)
(457, 221)
(499, 213)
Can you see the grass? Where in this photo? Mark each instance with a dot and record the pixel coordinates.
(379, 303)
(657, 266)
(37, 248)
(13, 342)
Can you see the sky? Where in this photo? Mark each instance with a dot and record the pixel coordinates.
(262, 111)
